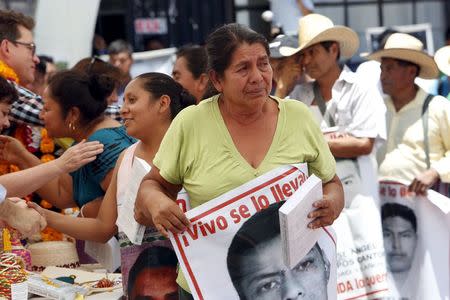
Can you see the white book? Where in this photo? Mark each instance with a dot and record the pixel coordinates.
(296, 238)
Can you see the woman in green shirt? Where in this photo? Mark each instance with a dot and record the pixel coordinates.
(234, 137)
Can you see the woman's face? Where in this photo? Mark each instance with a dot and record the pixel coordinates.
(4, 113)
(139, 111)
(52, 116)
(248, 79)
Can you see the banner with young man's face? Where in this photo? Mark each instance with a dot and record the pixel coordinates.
(233, 248)
(361, 266)
(416, 242)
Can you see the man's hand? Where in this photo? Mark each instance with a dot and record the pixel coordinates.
(77, 156)
(16, 213)
(287, 75)
(423, 182)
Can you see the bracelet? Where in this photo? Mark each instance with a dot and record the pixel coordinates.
(81, 211)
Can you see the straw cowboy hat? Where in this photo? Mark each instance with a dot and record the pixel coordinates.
(442, 59)
(408, 48)
(315, 28)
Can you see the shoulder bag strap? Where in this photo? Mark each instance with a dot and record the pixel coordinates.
(425, 128)
(321, 103)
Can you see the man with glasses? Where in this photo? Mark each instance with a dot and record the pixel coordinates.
(18, 62)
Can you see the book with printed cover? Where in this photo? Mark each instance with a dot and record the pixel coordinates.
(296, 238)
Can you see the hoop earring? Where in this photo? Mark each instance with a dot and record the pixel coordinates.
(72, 126)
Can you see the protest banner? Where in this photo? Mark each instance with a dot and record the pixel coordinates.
(148, 262)
(416, 241)
(232, 249)
(361, 266)
(153, 258)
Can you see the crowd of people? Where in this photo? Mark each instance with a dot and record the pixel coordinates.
(233, 110)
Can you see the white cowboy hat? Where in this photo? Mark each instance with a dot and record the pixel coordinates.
(442, 59)
(315, 28)
(408, 48)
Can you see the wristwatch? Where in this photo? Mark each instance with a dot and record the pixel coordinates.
(2, 193)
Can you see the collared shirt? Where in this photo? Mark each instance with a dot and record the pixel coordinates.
(113, 111)
(403, 157)
(27, 108)
(356, 108)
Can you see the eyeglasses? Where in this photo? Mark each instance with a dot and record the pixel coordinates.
(31, 46)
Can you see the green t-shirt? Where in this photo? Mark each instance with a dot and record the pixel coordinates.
(198, 151)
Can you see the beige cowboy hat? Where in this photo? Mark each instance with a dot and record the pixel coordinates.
(315, 28)
(408, 48)
(442, 59)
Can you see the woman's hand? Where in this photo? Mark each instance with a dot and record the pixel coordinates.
(77, 156)
(328, 209)
(36, 207)
(162, 212)
(323, 215)
(12, 150)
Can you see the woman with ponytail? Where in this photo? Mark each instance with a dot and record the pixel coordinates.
(151, 102)
(74, 105)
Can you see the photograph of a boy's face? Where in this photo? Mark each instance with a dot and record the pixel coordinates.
(348, 172)
(399, 235)
(153, 275)
(256, 268)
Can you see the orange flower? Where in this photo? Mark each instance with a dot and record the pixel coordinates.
(47, 145)
(8, 73)
(47, 157)
(45, 204)
(50, 234)
(13, 168)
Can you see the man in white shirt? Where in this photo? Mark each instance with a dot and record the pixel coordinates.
(417, 151)
(350, 113)
(348, 105)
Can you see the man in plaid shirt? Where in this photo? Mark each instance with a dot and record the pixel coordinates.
(18, 58)
(18, 53)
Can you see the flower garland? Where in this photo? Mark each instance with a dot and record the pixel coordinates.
(8, 73)
(24, 134)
